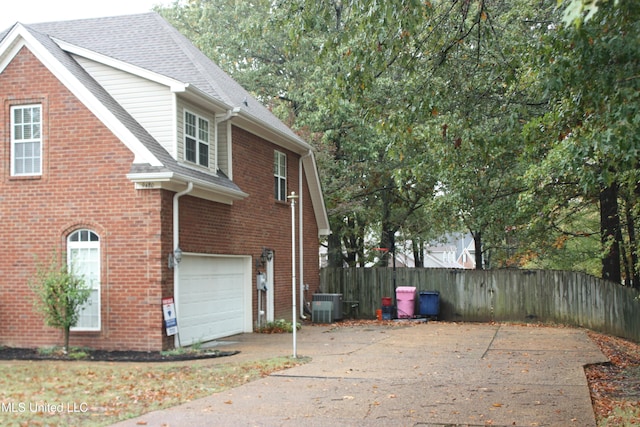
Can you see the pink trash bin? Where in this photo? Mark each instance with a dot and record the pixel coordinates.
(406, 301)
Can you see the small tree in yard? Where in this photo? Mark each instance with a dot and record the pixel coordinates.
(59, 295)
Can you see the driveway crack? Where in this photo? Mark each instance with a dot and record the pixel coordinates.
(491, 342)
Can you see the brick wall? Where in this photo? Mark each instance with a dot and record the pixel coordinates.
(257, 222)
(83, 185)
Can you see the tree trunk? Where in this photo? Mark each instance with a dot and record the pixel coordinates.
(387, 243)
(335, 259)
(353, 239)
(633, 243)
(633, 246)
(624, 261)
(387, 240)
(610, 233)
(418, 252)
(477, 240)
(66, 340)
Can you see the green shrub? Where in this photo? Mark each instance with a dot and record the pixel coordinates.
(59, 295)
(278, 327)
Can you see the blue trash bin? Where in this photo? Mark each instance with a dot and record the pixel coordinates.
(387, 312)
(429, 303)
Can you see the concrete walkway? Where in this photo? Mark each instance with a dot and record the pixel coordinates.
(428, 374)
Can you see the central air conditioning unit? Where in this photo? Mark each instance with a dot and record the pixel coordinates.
(322, 312)
(336, 299)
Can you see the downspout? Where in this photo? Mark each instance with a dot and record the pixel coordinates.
(301, 234)
(226, 116)
(176, 245)
(220, 118)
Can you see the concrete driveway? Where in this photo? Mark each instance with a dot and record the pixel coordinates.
(411, 374)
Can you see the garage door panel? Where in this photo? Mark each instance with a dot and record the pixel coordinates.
(212, 299)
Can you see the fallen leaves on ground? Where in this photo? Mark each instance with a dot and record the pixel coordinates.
(90, 394)
(615, 386)
(350, 323)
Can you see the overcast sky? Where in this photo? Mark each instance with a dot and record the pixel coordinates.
(34, 11)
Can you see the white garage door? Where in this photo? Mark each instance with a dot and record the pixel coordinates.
(214, 298)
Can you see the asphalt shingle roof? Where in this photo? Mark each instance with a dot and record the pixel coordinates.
(149, 42)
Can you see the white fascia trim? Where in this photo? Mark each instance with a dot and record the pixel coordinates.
(157, 179)
(150, 177)
(270, 133)
(19, 37)
(10, 46)
(174, 85)
(193, 94)
(315, 190)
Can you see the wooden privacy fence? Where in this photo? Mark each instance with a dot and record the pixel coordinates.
(563, 297)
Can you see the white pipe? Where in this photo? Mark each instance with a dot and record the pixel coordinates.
(294, 311)
(176, 245)
(227, 115)
(259, 308)
(301, 234)
(176, 213)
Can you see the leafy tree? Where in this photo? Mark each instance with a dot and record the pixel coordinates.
(454, 89)
(249, 40)
(578, 11)
(571, 242)
(59, 295)
(426, 115)
(588, 144)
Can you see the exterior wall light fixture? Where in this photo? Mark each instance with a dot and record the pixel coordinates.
(175, 257)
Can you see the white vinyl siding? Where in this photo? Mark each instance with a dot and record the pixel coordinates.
(156, 108)
(183, 108)
(150, 104)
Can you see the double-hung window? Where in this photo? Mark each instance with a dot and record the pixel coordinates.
(26, 140)
(196, 139)
(83, 258)
(280, 175)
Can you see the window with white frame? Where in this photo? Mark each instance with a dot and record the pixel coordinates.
(280, 175)
(26, 140)
(83, 259)
(196, 139)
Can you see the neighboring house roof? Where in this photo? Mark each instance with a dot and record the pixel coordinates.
(433, 262)
(148, 46)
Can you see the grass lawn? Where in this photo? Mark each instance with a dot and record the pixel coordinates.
(96, 394)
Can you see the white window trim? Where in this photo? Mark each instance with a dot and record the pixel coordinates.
(98, 287)
(25, 141)
(210, 163)
(280, 175)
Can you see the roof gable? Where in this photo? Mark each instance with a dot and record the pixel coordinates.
(151, 160)
(148, 42)
(148, 46)
(79, 83)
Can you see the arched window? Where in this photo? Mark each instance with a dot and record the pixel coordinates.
(83, 258)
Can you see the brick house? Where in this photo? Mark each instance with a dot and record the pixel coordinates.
(122, 142)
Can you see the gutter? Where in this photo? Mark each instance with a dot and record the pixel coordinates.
(301, 233)
(220, 118)
(176, 245)
(226, 116)
(290, 140)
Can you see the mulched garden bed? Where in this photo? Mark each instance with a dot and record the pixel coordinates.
(615, 385)
(10, 353)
